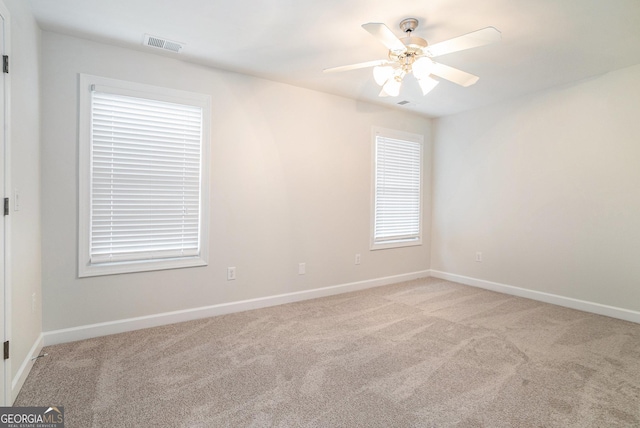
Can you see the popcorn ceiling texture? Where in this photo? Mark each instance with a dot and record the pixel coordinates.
(424, 353)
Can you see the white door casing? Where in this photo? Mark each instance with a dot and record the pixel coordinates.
(5, 298)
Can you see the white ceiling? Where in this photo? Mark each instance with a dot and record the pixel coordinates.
(544, 43)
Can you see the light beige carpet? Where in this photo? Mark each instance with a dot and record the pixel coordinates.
(425, 353)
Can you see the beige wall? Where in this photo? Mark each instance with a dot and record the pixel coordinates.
(290, 180)
(547, 187)
(26, 324)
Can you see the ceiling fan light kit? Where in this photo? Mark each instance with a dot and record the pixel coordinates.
(422, 67)
(412, 55)
(427, 84)
(382, 73)
(392, 86)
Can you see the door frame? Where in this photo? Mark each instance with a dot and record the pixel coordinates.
(6, 395)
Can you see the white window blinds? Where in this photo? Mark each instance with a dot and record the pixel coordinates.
(397, 193)
(145, 178)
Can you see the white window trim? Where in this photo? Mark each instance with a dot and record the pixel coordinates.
(85, 268)
(399, 135)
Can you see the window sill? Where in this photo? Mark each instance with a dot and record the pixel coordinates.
(139, 266)
(395, 244)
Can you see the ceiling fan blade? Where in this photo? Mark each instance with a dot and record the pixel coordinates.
(467, 41)
(386, 36)
(356, 66)
(454, 75)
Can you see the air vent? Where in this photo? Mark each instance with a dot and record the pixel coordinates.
(160, 43)
(401, 103)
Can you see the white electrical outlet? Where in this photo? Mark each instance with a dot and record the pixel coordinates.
(478, 256)
(358, 259)
(302, 268)
(231, 273)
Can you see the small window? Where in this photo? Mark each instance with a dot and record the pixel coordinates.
(143, 177)
(397, 189)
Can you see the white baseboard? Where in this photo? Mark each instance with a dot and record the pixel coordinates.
(581, 305)
(25, 368)
(55, 337)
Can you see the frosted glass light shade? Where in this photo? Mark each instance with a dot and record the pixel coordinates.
(422, 68)
(427, 84)
(381, 74)
(392, 87)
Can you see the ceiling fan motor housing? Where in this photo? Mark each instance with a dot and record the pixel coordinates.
(414, 43)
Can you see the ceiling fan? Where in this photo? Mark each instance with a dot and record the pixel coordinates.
(414, 55)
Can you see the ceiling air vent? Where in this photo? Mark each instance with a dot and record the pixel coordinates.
(160, 43)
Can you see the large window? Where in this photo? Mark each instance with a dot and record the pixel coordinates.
(143, 202)
(397, 189)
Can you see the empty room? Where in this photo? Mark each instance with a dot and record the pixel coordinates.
(320, 214)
